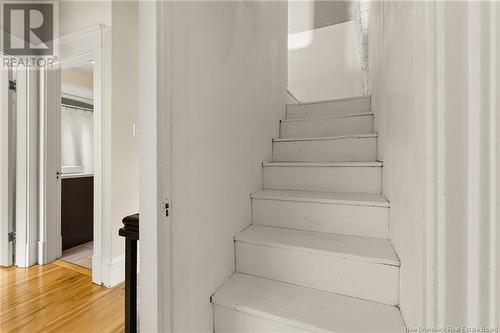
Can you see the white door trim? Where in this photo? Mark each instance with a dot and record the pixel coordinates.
(482, 286)
(5, 195)
(27, 167)
(78, 49)
(155, 146)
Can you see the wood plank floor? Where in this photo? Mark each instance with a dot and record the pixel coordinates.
(58, 297)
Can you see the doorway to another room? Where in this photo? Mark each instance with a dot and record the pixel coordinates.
(77, 165)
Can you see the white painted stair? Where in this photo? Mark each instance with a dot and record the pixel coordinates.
(339, 107)
(354, 148)
(252, 304)
(359, 214)
(362, 177)
(317, 257)
(326, 126)
(330, 262)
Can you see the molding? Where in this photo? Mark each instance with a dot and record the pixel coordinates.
(94, 44)
(30, 249)
(78, 43)
(112, 271)
(27, 141)
(5, 197)
(42, 250)
(481, 248)
(155, 122)
(77, 93)
(434, 260)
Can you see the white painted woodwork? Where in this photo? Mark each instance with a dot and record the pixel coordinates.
(361, 267)
(252, 304)
(77, 49)
(27, 173)
(219, 169)
(6, 198)
(49, 233)
(356, 148)
(364, 177)
(339, 107)
(326, 126)
(231, 320)
(341, 213)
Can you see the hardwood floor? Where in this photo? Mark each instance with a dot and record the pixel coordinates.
(58, 297)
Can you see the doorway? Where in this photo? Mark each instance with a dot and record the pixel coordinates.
(77, 165)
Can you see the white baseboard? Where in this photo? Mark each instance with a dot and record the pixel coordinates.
(31, 258)
(6, 258)
(112, 272)
(42, 252)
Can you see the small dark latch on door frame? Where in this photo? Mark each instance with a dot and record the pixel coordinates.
(12, 85)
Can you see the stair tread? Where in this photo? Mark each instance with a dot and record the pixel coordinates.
(354, 115)
(306, 308)
(322, 138)
(365, 249)
(359, 199)
(323, 164)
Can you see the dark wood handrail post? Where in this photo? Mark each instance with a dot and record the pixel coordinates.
(130, 231)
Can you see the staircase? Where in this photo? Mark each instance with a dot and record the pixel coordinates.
(317, 257)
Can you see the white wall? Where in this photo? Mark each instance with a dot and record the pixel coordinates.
(75, 16)
(77, 139)
(434, 74)
(120, 163)
(228, 84)
(308, 15)
(325, 63)
(124, 172)
(398, 78)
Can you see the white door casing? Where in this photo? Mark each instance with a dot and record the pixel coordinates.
(5, 193)
(93, 45)
(27, 167)
(155, 146)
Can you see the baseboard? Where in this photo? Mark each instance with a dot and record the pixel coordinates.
(6, 258)
(42, 252)
(112, 271)
(46, 254)
(31, 258)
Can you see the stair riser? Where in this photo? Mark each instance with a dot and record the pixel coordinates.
(315, 128)
(230, 321)
(366, 280)
(367, 221)
(340, 150)
(335, 108)
(326, 179)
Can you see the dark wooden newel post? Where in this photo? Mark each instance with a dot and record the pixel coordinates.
(130, 231)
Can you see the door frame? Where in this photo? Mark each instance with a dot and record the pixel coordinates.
(6, 197)
(76, 49)
(155, 280)
(27, 135)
